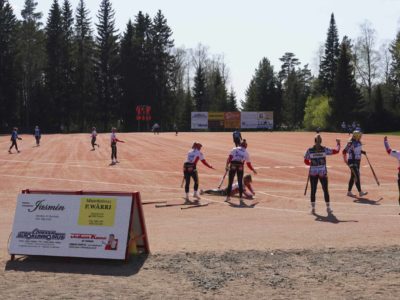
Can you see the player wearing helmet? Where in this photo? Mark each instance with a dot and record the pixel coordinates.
(352, 157)
(315, 157)
(235, 165)
(114, 141)
(190, 169)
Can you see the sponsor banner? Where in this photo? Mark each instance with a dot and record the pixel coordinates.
(257, 120)
(216, 124)
(199, 120)
(216, 116)
(232, 120)
(71, 225)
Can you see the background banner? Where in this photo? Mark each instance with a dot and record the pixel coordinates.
(199, 120)
(216, 120)
(257, 120)
(232, 120)
(89, 226)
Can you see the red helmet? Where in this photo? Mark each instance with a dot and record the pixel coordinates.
(243, 144)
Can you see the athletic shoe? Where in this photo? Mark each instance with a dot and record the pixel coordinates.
(241, 202)
(350, 194)
(195, 195)
(187, 201)
(362, 193)
(329, 210)
(201, 192)
(312, 210)
(228, 199)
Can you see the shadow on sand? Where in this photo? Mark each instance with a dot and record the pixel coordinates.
(330, 218)
(77, 265)
(368, 201)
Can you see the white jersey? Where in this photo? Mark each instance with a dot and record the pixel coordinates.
(194, 156)
(94, 133)
(113, 137)
(240, 154)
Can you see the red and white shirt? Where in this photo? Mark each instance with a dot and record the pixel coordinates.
(240, 154)
(392, 152)
(194, 156)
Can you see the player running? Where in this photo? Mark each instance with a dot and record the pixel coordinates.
(248, 191)
(235, 165)
(315, 157)
(190, 169)
(13, 139)
(352, 157)
(396, 154)
(37, 135)
(114, 141)
(94, 137)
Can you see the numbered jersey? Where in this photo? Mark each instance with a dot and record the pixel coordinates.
(353, 150)
(240, 154)
(194, 156)
(317, 158)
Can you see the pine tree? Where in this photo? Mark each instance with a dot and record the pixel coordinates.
(55, 105)
(199, 90)
(107, 64)
(217, 91)
(394, 73)
(127, 71)
(70, 105)
(8, 88)
(84, 80)
(163, 61)
(328, 66)
(31, 63)
(346, 100)
(232, 103)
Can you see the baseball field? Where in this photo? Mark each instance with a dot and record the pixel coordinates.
(275, 249)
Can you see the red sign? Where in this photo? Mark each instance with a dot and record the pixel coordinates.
(143, 113)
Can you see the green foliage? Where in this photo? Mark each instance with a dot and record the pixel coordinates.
(317, 113)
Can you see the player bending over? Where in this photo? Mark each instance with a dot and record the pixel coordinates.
(190, 169)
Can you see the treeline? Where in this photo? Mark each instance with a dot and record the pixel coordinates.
(64, 74)
(356, 82)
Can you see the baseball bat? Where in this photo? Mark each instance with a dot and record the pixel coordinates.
(373, 172)
(222, 180)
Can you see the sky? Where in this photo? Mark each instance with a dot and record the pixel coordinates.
(246, 31)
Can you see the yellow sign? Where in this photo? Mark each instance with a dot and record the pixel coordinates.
(97, 211)
(215, 116)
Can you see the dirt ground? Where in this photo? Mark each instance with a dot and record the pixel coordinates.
(275, 250)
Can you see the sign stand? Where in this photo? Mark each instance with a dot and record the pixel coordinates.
(136, 239)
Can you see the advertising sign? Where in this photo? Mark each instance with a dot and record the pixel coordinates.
(89, 226)
(257, 120)
(199, 120)
(232, 120)
(216, 120)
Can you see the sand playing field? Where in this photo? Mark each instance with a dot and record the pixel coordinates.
(217, 251)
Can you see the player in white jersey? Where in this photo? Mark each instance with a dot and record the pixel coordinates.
(315, 157)
(94, 137)
(352, 157)
(396, 154)
(114, 140)
(190, 169)
(235, 165)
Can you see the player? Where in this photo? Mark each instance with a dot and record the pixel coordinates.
(315, 157)
(13, 139)
(190, 170)
(156, 128)
(37, 135)
(114, 141)
(248, 190)
(235, 165)
(237, 137)
(176, 129)
(352, 157)
(396, 154)
(94, 137)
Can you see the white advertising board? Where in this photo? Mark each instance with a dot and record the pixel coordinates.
(89, 226)
(257, 119)
(199, 120)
